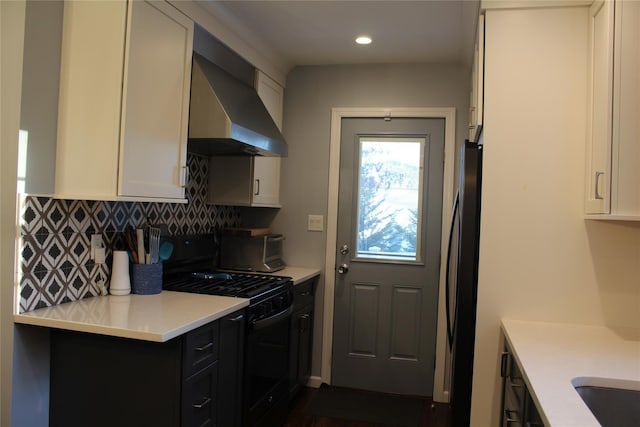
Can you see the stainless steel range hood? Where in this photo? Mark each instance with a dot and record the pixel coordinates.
(226, 115)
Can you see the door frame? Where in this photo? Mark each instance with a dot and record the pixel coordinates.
(440, 392)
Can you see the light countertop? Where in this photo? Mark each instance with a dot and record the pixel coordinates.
(554, 357)
(159, 317)
(298, 274)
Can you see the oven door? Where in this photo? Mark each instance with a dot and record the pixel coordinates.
(266, 370)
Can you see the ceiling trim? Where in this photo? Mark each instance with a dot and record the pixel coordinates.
(532, 4)
(259, 55)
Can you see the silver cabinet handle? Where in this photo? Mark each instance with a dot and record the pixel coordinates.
(304, 321)
(257, 187)
(185, 175)
(511, 416)
(204, 347)
(344, 268)
(504, 364)
(597, 186)
(202, 404)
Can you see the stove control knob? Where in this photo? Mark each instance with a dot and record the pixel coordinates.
(279, 302)
(268, 307)
(261, 310)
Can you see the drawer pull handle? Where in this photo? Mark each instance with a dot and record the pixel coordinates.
(304, 323)
(598, 196)
(237, 318)
(512, 416)
(304, 294)
(202, 404)
(504, 364)
(186, 176)
(204, 347)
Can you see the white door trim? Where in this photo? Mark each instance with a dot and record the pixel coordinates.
(440, 393)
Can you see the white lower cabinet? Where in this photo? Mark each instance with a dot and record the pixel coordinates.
(612, 189)
(124, 101)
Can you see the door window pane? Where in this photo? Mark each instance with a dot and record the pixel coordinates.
(389, 196)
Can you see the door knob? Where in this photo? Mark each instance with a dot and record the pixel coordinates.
(344, 249)
(343, 268)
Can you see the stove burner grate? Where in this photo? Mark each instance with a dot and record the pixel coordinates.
(243, 285)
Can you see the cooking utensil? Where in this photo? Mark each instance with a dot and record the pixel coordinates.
(131, 246)
(166, 249)
(140, 238)
(154, 244)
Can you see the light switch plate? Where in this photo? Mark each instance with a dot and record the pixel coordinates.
(97, 248)
(315, 223)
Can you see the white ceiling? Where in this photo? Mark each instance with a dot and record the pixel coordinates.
(313, 32)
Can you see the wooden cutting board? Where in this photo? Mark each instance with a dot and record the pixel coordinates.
(251, 232)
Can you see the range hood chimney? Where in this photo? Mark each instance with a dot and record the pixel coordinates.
(226, 115)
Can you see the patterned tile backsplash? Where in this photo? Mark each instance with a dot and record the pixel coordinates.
(55, 264)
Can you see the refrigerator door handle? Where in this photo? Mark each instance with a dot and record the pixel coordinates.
(450, 322)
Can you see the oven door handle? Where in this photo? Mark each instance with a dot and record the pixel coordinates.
(265, 323)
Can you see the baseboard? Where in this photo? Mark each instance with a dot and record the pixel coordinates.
(442, 398)
(314, 382)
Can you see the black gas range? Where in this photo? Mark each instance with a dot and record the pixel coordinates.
(268, 294)
(267, 327)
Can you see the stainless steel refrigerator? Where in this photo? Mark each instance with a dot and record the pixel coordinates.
(462, 281)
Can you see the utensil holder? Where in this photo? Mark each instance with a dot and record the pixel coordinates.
(147, 278)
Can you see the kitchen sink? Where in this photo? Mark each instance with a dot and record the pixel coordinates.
(613, 403)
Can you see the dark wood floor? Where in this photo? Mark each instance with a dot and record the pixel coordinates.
(433, 415)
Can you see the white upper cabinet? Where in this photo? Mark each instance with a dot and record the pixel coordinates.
(625, 158)
(612, 189)
(266, 170)
(124, 101)
(598, 179)
(477, 83)
(250, 180)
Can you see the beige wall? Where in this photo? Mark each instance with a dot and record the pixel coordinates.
(310, 94)
(12, 26)
(539, 259)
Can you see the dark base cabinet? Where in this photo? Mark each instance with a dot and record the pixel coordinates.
(518, 408)
(301, 335)
(99, 380)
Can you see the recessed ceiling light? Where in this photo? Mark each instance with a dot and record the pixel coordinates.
(363, 40)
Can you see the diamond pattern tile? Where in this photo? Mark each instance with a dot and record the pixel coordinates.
(56, 235)
(54, 251)
(53, 288)
(79, 249)
(101, 215)
(79, 215)
(30, 254)
(55, 215)
(30, 215)
(30, 293)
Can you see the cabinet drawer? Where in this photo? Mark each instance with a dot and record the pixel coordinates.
(514, 390)
(200, 348)
(199, 400)
(303, 294)
(511, 419)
